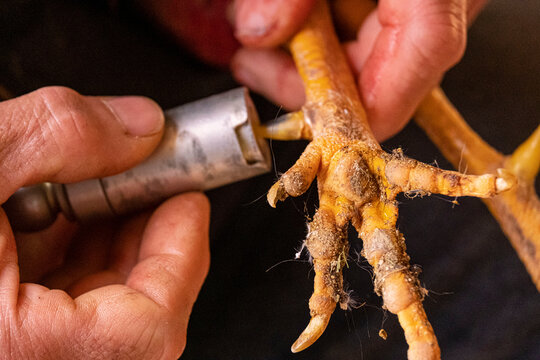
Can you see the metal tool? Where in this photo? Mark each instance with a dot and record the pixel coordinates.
(206, 144)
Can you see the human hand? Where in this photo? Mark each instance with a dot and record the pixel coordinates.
(401, 52)
(122, 289)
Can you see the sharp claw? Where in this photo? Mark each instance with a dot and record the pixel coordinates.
(504, 181)
(276, 193)
(290, 126)
(313, 331)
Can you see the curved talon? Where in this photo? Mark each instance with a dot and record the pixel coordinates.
(505, 180)
(358, 182)
(290, 126)
(276, 193)
(312, 332)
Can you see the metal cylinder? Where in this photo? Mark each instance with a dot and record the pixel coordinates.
(206, 144)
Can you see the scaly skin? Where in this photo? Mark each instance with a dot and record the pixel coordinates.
(358, 183)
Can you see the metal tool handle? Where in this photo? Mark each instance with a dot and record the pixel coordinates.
(206, 144)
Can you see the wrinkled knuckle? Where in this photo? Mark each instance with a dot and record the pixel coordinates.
(166, 341)
(132, 336)
(444, 50)
(51, 93)
(63, 105)
(64, 114)
(441, 39)
(60, 103)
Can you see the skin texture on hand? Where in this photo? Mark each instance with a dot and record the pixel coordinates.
(122, 289)
(401, 52)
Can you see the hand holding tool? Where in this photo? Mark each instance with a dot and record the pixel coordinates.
(206, 144)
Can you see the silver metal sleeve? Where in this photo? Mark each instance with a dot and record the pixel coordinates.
(206, 144)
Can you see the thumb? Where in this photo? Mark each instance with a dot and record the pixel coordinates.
(264, 23)
(55, 134)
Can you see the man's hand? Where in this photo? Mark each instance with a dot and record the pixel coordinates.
(119, 289)
(401, 52)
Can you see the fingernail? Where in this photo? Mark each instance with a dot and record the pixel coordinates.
(254, 19)
(139, 116)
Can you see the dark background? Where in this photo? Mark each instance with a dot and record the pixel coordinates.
(482, 303)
